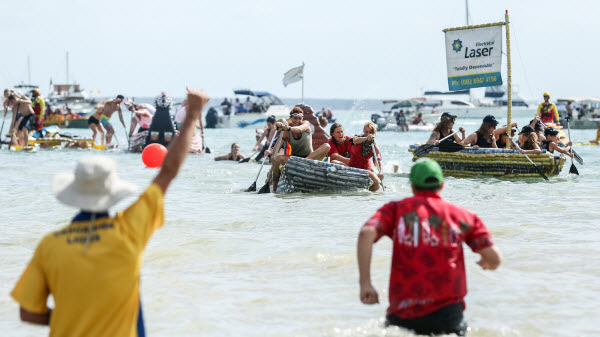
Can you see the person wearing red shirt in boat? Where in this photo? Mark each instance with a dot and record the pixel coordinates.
(39, 108)
(547, 111)
(428, 282)
(361, 153)
(340, 144)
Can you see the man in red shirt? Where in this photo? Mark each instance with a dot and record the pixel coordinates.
(428, 281)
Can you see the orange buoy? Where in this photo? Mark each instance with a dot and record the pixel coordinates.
(154, 154)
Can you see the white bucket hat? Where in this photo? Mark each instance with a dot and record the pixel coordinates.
(94, 187)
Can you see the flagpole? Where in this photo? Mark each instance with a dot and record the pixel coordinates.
(302, 82)
(509, 70)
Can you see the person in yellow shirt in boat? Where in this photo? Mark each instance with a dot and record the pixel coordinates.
(92, 266)
(547, 111)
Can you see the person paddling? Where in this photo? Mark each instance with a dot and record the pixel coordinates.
(528, 141)
(549, 144)
(361, 153)
(428, 281)
(92, 266)
(485, 136)
(443, 129)
(340, 145)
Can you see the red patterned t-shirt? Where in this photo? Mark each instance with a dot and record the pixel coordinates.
(428, 268)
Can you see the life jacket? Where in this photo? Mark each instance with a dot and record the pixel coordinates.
(547, 113)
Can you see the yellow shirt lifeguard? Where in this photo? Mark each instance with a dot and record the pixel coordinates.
(96, 291)
(548, 113)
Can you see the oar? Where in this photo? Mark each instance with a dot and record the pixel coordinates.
(245, 160)
(577, 156)
(423, 150)
(573, 169)
(265, 188)
(532, 163)
(2, 128)
(252, 187)
(452, 147)
(378, 163)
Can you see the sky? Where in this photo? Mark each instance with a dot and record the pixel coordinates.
(352, 49)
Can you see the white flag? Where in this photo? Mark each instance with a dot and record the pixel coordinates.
(293, 75)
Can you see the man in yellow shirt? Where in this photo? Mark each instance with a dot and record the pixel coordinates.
(92, 266)
(39, 108)
(547, 111)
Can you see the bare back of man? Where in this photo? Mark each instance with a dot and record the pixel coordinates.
(107, 111)
(22, 112)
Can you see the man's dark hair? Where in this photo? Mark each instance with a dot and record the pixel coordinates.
(432, 189)
(121, 96)
(271, 119)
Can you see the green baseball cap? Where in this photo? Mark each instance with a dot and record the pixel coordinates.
(426, 173)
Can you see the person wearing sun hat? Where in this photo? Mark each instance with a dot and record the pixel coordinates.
(92, 266)
(427, 282)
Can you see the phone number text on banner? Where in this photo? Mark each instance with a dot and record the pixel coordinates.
(474, 57)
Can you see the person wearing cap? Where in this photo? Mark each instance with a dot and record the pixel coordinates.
(141, 116)
(549, 143)
(92, 266)
(547, 111)
(501, 135)
(107, 111)
(299, 136)
(484, 137)
(537, 125)
(428, 281)
(444, 129)
(39, 108)
(528, 141)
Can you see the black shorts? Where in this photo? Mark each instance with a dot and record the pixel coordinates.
(93, 120)
(24, 122)
(446, 320)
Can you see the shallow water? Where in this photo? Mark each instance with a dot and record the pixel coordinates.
(231, 263)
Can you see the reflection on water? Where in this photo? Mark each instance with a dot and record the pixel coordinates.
(231, 263)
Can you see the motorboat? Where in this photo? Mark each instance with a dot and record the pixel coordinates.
(586, 112)
(248, 108)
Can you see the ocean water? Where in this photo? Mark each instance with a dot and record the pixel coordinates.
(231, 263)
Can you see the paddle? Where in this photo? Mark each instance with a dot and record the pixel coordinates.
(423, 150)
(532, 163)
(245, 160)
(378, 163)
(573, 169)
(265, 188)
(577, 156)
(252, 187)
(2, 128)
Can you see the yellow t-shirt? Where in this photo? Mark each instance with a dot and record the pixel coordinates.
(95, 293)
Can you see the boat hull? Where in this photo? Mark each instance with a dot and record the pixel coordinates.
(500, 163)
(581, 123)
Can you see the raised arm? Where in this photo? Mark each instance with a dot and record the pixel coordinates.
(179, 148)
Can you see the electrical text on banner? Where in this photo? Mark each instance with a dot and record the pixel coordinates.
(474, 57)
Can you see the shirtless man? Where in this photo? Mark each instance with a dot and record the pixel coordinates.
(22, 113)
(95, 126)
(109, 108)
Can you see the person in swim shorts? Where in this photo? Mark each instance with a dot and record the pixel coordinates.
(107, 111)
(95, 126)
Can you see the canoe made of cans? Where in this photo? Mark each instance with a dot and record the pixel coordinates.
(502, 163)
(306, 175)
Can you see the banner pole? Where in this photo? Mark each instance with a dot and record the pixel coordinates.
(509, 103)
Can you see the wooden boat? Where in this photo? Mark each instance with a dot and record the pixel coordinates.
(501, 163)
(305, 175)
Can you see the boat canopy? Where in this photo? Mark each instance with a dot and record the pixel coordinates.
(267, 96)
(407, 104)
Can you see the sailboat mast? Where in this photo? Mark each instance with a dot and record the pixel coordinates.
(509, 103)
(67, 67)
(28, 70)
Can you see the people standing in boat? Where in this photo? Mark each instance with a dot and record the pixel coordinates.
(428, 282)
(528, 141)
(401, 121)
(238, 106)
(92, 266)
(549, 144)
(107, 111)
(547, 111)
(340, 145)
(267, 135)
(22, 114)
(95, 125)
(299, 135)
(361, 153)
(248, 105)
(484, 137)
(39, 108)
(226, 106)
(444, 129)
(569, 108)
(234, 155)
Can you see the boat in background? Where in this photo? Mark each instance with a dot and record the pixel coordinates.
(262, 105)
(586, 112)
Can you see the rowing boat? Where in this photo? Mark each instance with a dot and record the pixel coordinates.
(501, 163)
(306, 175)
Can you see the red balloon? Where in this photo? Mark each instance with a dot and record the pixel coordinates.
(154, 154)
